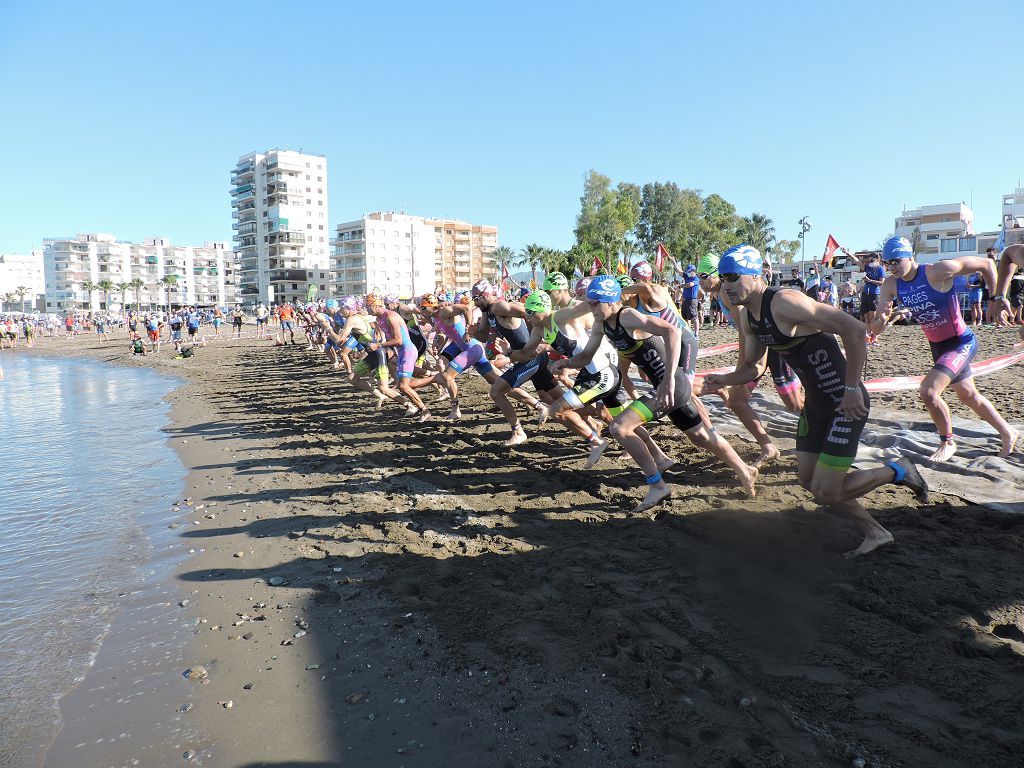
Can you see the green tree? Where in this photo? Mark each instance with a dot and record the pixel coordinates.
(122, 288)
(137, 285)
(21, 292)
(504, 257)
(757, 230)
(784, 251)
(7, 298)
(916, 240)
(90, 287)
(171, 283)
(607, 215)
(105, 287)
(531, 256)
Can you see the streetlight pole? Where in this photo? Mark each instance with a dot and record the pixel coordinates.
(805, 227)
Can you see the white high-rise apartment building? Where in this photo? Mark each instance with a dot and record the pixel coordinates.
(202, 276)
(282, 235)
(20, 270)
(406, 255)
(384, 252)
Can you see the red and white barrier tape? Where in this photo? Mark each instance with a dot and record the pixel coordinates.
(718, 349)
(900, 383)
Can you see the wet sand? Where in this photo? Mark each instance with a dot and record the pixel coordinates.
(469, 606)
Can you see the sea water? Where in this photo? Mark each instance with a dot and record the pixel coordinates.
(86, 476)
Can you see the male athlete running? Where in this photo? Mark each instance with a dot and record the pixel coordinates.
(667, 356)
(926, 291)
(836, 406)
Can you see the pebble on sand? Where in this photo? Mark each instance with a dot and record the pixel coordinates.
(275, 581)
(196, 673)
(239, 554)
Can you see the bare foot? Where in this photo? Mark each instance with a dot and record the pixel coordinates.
(769, 453)
(1009, 442)
(872, 541)
(944, 452)
(380, 396)
(543, 413)
(748, 482)
(597, 448)
(913, 480)
(455, 414)
(654, 497)
(665, 464)
(518, 437)
(411, 410)
(442, 395)
(424, 416)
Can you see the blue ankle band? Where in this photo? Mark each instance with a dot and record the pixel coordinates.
(898, 470)
(655, 478)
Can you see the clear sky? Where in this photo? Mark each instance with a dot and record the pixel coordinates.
(128, 117)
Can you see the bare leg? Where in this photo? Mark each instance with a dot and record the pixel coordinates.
(737, 399)
(624, 430)
(973, 399)
(932, 387)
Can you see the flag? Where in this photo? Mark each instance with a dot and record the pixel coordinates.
(677, 266)
(620, 268)
(659, 258)
(505, 277)
(597, 266)
(311, 293)
(1001, 240)
(831, 246)
(577, 273)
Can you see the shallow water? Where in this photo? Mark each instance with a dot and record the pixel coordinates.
(85, 474)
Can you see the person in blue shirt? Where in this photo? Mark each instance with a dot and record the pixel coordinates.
(192, 320)
(975, 284)
(874, 274)
(690, 308)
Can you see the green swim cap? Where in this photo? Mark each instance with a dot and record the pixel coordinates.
(708, 265)
(538, 301)
(556, 281)
(625, 280)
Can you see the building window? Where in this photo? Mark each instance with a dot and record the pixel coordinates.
(968, 243)
(948, 245)
(320, 178)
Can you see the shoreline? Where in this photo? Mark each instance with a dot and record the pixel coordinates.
(485, 611)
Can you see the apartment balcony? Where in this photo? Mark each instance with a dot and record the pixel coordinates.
(287, 276)
(242, 193)
(279, 165)
(248, 289)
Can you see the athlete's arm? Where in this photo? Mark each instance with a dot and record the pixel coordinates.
(655, 326)
(567, 314)
(396, 333)
(943, 272)
(1011, 260)
(753, 350)
(529, 350)
(884, 311)
(584, 358)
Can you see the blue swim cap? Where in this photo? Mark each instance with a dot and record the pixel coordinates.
(604, 288)
(740, 260)
(897, 248)
(332, 304)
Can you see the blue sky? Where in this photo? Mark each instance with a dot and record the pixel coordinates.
(127, 117)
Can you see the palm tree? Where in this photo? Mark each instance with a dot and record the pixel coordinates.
(90, 286)
(21, 292)
(7, 298)
(137, 285)
(105, 286)
(171, 281)
(122, 288)
(503, 257)
(532, 255)
(757, 230)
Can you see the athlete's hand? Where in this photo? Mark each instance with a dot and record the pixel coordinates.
(852, 405)
(555, 366)
(712, 382)
(666, 394)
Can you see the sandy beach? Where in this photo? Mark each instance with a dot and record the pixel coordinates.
(440, 601)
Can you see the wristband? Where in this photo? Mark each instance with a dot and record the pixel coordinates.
(852, 389)
(1000, 297)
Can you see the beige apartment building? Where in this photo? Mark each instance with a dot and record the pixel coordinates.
(462, 252)
(928, 226)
